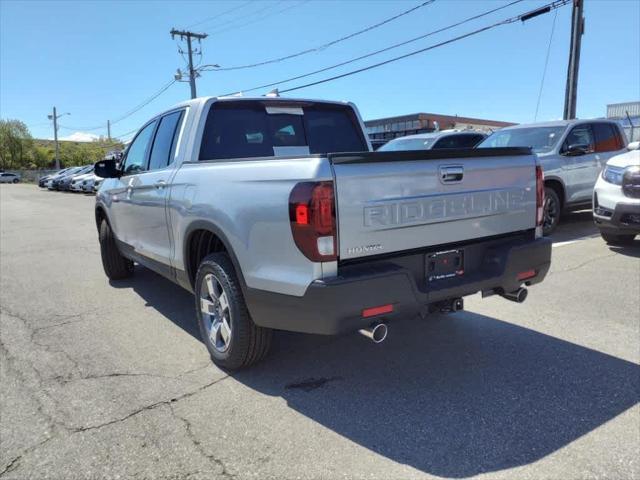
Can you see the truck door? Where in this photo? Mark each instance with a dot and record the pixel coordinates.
(147, 194)
(582, 169)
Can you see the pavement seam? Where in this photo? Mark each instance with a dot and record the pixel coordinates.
(586, 262)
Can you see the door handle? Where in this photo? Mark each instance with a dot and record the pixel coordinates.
(451, 174)
(160, 184)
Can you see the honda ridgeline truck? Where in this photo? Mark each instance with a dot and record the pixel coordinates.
(276, 214)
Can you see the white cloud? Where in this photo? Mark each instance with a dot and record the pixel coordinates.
(81, 137)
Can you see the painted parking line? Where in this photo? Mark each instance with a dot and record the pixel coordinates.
(575, 240)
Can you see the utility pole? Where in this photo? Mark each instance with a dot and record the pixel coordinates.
(184, 34)
(109, 130)
(55, 118)
(577, 30)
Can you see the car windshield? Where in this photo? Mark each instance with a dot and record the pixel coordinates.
(540, 139)
(407, 144)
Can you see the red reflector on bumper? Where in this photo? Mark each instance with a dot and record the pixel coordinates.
(373, 311)
(527, 274)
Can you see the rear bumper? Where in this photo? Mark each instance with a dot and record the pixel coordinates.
(335, 305)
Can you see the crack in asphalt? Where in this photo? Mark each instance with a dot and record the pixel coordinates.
(586, 262)
(57, 427)
(189, 429)
(150, 407)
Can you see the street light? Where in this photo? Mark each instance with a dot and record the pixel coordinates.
(55, 118)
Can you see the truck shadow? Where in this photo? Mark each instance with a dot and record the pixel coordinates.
(452, 396)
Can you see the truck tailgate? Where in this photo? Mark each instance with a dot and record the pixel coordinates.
(394, 201)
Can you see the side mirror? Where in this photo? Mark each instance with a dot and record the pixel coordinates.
(577, 149)
(633, 146)
(106, 169)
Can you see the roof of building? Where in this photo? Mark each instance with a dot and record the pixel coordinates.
(438, 118)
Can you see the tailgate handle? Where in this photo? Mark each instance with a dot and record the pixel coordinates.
(451, 174)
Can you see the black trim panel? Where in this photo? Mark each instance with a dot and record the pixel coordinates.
(417, 155)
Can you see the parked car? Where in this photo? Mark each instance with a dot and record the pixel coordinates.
(42, 181)
(572, 154)
(616, 198)
(241, 202)
(64, 182)
(88, 183)
(443, 139)
(52, 183)
(9, 177)
(76, 181)
(96, 184)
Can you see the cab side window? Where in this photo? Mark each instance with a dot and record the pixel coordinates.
(607, 138)
(580, 135)
(136, 160)
(164, 143)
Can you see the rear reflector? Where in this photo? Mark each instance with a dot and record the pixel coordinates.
(526, 274)
(373, 311)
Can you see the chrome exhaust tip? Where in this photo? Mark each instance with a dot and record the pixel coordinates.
(377, 332)
(518, 296)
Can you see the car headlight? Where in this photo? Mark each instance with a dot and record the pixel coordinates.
(631, 181)
(613, 175)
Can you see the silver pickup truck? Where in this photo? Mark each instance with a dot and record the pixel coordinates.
(249, 204)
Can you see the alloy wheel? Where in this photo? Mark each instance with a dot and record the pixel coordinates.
(216, 313)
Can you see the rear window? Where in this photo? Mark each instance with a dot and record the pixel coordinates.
(246, 130)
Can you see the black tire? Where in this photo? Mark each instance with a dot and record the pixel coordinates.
(552, 211)
(248, 342)
(613, 239)
(116, 267)
(15, 180)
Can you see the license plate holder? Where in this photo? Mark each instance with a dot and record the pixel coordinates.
(445, 264)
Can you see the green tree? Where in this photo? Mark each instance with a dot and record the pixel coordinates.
(15, 144)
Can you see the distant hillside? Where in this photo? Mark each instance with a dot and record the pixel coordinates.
(72, 153)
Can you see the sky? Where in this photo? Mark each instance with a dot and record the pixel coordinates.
(98, 60)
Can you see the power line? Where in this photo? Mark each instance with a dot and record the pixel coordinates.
(382, 50)
(331, 43)
(219, 15)
(271, 14)
(163, 89)
(546, 64)
(551, 6)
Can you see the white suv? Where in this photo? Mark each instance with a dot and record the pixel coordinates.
(616, 198)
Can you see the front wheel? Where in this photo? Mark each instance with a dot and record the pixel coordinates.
(116, 267)
(15, 180)
(552, 211)
(226, 327)
(613, 239)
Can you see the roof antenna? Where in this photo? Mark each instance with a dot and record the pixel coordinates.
(273, 93)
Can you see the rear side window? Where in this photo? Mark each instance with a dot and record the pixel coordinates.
(246, 130)
(458, 141)
(606, 137)
(165, 141)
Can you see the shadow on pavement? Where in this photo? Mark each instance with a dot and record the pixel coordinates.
(575, 225)
(632, 250)
(452, 396)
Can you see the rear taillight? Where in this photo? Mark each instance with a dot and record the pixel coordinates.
(312, 212)
(539, 196)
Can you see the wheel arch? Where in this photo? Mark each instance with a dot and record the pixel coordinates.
(202, 238)
(557, 186)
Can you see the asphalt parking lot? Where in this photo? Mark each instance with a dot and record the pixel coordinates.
(111, 381)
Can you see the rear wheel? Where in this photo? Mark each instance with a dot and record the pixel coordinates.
(552, 210)
(15, 180)
(613, 239)
(226, 327)
(116, 267)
